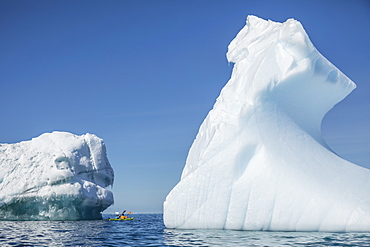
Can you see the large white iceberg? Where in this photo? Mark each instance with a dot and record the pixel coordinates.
(259, 161)
(56, 176)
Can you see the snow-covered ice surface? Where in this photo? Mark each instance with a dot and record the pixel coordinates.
(56, 176)
(259, 161)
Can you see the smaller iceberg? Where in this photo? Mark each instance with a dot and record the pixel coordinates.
(56, 176)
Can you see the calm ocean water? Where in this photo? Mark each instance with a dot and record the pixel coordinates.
(148, 230)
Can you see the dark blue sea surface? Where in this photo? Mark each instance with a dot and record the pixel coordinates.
(148, 230)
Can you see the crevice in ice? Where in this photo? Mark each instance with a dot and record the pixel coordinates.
(244, 213)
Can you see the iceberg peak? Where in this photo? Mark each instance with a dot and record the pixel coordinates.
(259, 161)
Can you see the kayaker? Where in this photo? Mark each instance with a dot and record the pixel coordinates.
(123, 216)
(117, 215)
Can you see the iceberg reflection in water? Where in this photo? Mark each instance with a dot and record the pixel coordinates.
(175, 237)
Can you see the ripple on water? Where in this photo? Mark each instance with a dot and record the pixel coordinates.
(148, 230)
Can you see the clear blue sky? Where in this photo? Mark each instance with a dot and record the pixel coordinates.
(143, 75)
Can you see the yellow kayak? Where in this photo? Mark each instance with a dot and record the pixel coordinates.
(122, 219)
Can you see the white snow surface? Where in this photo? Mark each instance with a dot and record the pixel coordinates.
(259, 161)
(56, 176)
